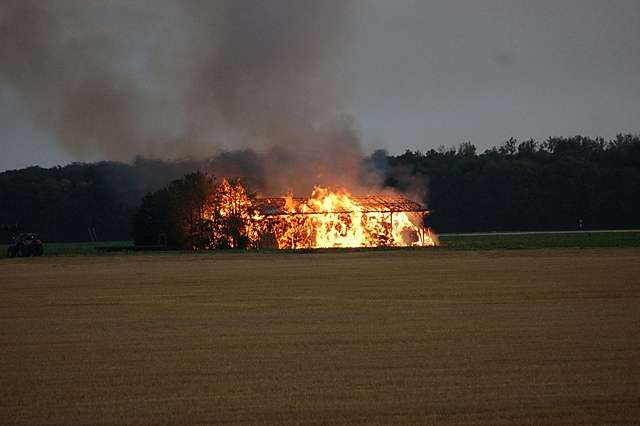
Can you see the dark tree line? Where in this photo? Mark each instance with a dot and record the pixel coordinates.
(80, 202)
(559, 184)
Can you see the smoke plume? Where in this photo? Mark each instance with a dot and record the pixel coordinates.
(176, 79)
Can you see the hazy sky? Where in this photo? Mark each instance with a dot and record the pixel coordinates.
(431, 73)
(419, 74)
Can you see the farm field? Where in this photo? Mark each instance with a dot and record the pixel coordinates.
(400, 336)
(477, 241)
(541, 240)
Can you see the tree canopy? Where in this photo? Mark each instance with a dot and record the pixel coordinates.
(195, 212)
(560, 184)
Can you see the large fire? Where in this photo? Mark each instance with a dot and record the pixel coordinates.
(324, 220)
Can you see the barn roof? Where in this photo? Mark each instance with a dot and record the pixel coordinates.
(273, 206)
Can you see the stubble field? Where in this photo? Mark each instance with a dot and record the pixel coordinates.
(416, 336)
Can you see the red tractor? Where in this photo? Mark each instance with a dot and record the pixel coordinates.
(26, 245)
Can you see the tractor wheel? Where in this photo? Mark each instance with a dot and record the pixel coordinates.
(37, 251)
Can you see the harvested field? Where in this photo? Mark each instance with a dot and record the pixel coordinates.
(414, 336)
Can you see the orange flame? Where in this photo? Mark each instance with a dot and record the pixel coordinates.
(336, 219)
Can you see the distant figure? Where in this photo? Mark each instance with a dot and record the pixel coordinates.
(580, 224)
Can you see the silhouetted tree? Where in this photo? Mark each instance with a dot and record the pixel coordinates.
(177, 213)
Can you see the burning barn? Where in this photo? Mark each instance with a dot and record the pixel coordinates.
(203, 214)
(337, 219)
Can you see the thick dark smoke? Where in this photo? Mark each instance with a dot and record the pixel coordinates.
(176, 79)
(66, 75)
(330, 156)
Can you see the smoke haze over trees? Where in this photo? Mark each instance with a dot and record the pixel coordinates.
(89, 80)
(175, 79)
(520, 185)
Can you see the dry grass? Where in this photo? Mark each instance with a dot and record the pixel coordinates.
(376, 337)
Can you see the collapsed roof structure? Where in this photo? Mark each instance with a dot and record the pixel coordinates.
(276, 206)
